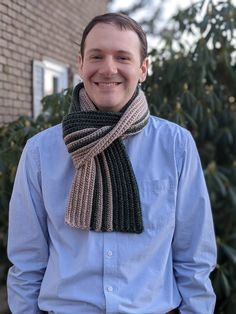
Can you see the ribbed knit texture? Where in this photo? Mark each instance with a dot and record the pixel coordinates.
(104, 194)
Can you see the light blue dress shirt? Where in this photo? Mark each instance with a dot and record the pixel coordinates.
(63, 270)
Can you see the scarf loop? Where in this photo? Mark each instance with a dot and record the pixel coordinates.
(104, 194)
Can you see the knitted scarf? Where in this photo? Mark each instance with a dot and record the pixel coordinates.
(104, 194)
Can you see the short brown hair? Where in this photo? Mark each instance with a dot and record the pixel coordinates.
(122, 21)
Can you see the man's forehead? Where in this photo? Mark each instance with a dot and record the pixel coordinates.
(102, 28)
(103, 36)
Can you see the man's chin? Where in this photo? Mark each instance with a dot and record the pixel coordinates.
(109, 106)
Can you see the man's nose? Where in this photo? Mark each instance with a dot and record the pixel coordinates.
(108, 67)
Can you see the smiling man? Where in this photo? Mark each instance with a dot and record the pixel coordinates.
(113, 201)
(111, 66)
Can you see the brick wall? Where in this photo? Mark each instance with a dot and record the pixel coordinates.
(37, 29)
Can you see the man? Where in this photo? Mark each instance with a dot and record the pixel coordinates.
(110, 212)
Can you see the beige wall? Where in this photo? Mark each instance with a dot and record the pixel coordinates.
(37, 29)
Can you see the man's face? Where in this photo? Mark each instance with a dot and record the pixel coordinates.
(111, 67)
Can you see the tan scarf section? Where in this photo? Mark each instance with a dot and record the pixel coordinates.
(100, 185)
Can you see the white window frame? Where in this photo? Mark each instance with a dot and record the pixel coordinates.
(76, 79)
(43, 72)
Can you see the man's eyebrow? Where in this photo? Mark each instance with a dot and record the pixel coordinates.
(94, 50)
(125, 52)
(118, 51)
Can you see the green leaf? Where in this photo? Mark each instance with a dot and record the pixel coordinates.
(225, 284)
(221, 284)
(229, 251)
(232, 194)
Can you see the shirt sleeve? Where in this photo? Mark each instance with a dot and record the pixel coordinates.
(28, 238)
(194, 245)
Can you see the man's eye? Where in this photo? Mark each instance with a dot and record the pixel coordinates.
(95, 57)
(123, 58)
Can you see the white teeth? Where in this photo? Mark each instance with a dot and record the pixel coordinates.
(107, 83)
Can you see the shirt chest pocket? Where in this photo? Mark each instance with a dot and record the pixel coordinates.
(158, 204)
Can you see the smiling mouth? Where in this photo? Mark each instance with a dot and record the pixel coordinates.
(107, 84)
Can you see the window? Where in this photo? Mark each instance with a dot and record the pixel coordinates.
(76, 79)
(48, 77)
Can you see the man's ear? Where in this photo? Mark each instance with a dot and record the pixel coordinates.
(80, 65)
(144, 70)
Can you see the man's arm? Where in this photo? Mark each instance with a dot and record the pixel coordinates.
(194, 247)
(27, 241)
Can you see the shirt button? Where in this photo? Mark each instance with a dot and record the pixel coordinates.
(109, 289)
(109, 253)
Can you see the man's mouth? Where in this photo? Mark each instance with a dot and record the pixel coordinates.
(107, 84)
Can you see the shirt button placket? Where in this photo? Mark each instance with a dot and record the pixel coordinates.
(110, 272)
